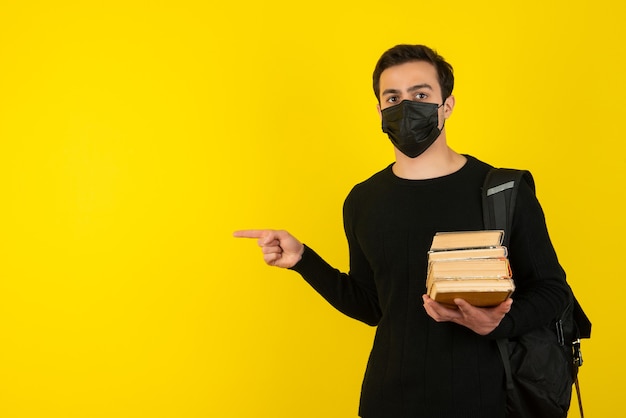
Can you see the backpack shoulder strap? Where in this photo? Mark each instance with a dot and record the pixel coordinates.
(498, 195)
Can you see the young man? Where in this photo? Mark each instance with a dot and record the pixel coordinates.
(427, 360)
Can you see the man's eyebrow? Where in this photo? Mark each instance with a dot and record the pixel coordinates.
(410, 89)
(391, 91)
(420, 86)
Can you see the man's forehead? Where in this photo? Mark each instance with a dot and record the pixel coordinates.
(410, 73)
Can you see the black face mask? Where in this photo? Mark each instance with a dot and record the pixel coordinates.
(412, 126)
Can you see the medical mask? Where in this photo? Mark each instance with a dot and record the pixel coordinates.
(412, 126)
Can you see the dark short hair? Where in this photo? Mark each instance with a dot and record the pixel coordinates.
(401, 54)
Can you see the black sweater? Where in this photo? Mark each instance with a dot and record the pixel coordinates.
(418, 367)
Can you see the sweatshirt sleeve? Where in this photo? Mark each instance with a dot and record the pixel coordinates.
(354, 293)
(542, 292)
(340, 289)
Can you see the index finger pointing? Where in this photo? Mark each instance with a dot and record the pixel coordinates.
(250, 233)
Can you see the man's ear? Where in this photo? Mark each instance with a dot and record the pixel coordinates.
(448, 106)
(380, 113)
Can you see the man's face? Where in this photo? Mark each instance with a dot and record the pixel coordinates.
(415, 80)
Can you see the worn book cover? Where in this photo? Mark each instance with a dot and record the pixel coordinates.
(466, 239)
(468, 254)
(477, 292)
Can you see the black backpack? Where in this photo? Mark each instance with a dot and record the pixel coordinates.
(541, 366)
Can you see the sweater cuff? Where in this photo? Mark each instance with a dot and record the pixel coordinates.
(307, 261)
(503, 330)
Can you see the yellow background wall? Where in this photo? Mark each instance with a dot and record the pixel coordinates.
(137, 135)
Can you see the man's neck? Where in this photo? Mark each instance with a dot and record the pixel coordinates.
(437, 161)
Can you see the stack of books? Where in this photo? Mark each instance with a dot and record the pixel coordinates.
(471, 265)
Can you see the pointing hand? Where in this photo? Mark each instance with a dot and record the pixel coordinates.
(280, 248)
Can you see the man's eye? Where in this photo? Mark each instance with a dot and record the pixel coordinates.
(392, 99)
(421, 96)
